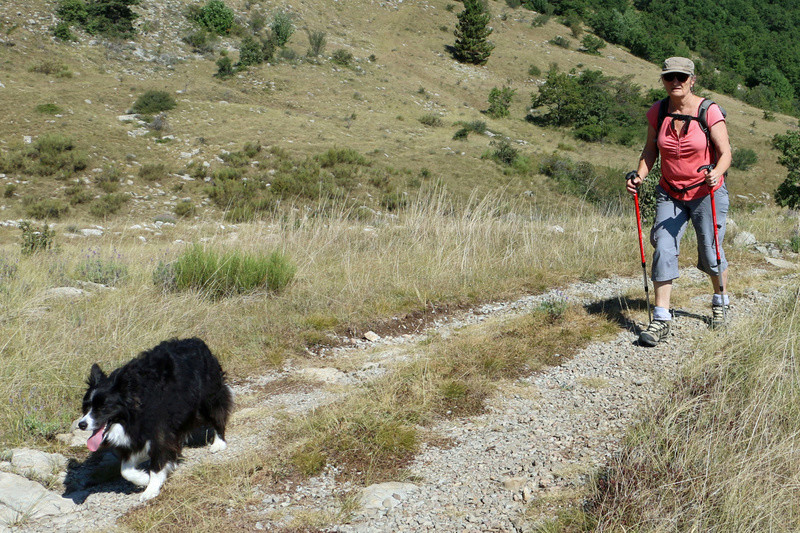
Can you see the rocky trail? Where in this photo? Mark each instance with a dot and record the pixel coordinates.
(503, 470)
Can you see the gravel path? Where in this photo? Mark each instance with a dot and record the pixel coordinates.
(537, 442)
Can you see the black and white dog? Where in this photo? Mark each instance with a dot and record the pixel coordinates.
(147, 408)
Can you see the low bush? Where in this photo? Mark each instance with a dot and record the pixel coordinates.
(560, 41)
(153, 171)
(224, 67)
(36, 239)
(201, 40)
(45, 208)
(51, 68)
(744, 159)
(316, 42)
(342, 57)
(108, 204)
(63, 32)
(111, 18)
(152, 102)
(185, 209)
(48, 109)
(500, 101)
(104, 271)
(215, 16)
(431, 119)
(108, 179)
(282, 28)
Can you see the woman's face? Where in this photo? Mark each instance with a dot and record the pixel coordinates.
(677, 83)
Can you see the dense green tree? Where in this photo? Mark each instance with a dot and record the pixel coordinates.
(472, 32)
(788, 192)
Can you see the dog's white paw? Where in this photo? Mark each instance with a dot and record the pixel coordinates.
(149, 494)
(218, 445)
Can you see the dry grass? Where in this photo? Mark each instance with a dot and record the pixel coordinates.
(719, 454)
(349, 273)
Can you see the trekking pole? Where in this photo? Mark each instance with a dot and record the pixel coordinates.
(716, 248)
(632, 174)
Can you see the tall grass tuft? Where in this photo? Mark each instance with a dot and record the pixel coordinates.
(220, 274)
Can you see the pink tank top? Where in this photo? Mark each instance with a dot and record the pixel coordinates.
(682, 153)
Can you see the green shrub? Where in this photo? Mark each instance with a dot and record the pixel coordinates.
(744, 159)
(226, 174)
(431, 119)
(108, 204)
(152, 102)
(216, 16)
(63, 32)
(317, 42)
(51, 68)
(342, 57)
(103, 271)
(77, 194)
(592, 45)
(251, 52)
(112, 18)
(46, 208)
(185, 209)
(153, 171)
(500, 101)
(282, 28)
(394, 201)
(336, 156)
(504, 152)
(221, 274)
(36, 239)
(533, 70)
(108, 179)
(72, 12)
(224, 67)
(201, 40)
(48, 109)
(788, 193)
(560, 41)
(9, 191)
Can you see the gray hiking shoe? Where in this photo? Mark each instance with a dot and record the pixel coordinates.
(657, 330)
(718, 316)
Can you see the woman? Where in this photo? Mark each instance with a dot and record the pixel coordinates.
(684, 192)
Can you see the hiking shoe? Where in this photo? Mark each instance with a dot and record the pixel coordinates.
(718, 316)
(657, 330)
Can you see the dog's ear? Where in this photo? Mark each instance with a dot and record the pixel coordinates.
(96, 375)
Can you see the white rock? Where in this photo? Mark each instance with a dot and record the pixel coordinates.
(781, 263)
(91, 232)
(36, 461)
(20, 497)
(64, 292)
(325, 375)
(744, 238)
(371, 336)
(376, 496)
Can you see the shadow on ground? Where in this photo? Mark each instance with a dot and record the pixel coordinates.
(100, 472)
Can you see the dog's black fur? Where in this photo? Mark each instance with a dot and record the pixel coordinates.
(147, 408)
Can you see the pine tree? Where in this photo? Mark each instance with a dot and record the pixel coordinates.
(471, 33)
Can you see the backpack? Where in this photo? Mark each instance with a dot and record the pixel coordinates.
(701, 121)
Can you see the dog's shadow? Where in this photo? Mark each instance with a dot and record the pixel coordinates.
(100, 472)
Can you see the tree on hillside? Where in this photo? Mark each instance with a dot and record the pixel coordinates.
(788, 192)
(472, 32)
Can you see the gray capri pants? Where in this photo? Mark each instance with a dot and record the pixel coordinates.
(671, 219)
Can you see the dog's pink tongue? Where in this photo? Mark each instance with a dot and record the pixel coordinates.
(95, 440)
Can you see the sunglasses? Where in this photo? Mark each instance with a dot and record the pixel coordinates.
(670, 76)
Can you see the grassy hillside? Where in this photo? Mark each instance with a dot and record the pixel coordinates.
(401, 72)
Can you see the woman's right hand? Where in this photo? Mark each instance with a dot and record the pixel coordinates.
(632, 181)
